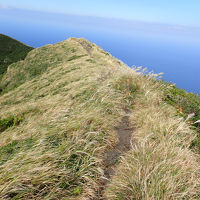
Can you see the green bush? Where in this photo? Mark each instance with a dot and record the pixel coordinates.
(126, 85)
(10, 121)
(186, 104)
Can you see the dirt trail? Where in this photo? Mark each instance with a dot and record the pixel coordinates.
(124, 131)
(87, 46)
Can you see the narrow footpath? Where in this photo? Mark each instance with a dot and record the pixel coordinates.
(124, 131)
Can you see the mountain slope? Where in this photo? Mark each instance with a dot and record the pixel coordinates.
(65, 111)
(11, 51)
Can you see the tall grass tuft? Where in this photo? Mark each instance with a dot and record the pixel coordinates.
(160, 164)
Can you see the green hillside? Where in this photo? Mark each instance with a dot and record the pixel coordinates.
(78, 124)
(11, 51)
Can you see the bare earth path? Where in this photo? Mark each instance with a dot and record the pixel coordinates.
(124, 132)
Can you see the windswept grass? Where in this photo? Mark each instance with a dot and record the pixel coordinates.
(160, 164)
(37, 62)
(71, 109)
(71, 105)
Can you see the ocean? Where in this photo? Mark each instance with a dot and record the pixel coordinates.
(176, 53)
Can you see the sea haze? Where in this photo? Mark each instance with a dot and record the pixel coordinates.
(173, 50)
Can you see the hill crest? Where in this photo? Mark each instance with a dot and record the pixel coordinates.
(78, 124)
(40, 59)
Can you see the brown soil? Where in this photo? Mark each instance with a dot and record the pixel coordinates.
(124, 131)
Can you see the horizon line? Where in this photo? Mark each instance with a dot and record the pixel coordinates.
(172, 25)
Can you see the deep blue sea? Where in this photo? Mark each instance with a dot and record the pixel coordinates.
(176, 53)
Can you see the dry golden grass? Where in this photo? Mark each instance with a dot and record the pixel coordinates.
(70, 111)
(160, 164)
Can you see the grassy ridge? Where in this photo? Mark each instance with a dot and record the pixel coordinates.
(66, 100)
(161, 164)
(69, 112)
(11, 51)
(37, 62)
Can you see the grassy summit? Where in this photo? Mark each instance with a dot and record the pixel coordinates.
(76, 123)
(11, 51)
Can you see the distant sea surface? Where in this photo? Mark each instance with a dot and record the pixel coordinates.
(176, 55)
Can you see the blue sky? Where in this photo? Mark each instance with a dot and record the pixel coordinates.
(162, 35)
(180, 12)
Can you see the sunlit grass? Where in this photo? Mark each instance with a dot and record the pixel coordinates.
(70, 106)
(70, 111)
(160, 164)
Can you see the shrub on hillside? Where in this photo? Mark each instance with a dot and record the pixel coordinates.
(188, 106)
(10, 121)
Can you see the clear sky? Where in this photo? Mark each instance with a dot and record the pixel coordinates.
(162, 35)
(180, 12)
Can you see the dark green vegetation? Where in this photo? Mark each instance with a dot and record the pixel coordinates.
(10, 121)
(11, 51)
(126, 85)
(188, 106)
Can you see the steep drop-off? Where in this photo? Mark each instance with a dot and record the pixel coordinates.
(11, 51)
